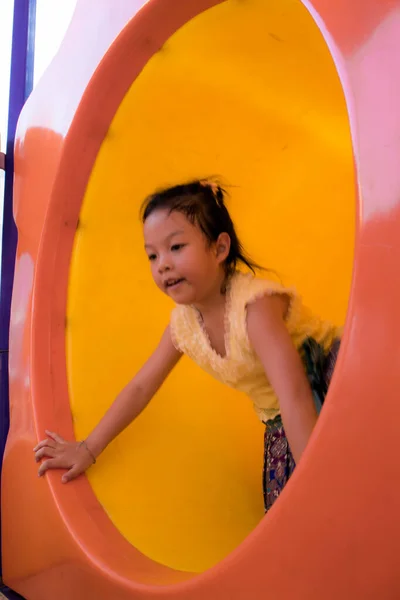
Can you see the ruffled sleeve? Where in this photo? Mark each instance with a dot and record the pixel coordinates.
(247, 289)
(263, 287)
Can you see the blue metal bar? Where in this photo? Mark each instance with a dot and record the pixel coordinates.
(9, 594)
(21, 79)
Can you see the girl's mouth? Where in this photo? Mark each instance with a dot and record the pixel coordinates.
(173, 283)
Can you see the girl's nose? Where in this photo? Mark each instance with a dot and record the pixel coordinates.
(163, 267)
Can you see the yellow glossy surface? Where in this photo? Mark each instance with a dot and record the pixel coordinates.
(247, 91)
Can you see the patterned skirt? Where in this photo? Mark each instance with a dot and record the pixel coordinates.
(278, 460)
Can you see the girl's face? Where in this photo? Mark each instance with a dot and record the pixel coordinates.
(183, 264)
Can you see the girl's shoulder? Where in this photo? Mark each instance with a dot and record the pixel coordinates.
(301, 321)
(247, 287)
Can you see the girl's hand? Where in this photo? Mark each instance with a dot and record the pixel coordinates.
(74, 456)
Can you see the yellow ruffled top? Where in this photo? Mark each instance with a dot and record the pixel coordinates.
(240, 368)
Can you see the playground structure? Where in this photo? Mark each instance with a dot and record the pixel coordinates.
(296, 105)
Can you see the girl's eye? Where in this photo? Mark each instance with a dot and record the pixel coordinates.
(177, 247)
(152, 257)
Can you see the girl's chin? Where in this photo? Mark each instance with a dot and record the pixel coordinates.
(180, 295)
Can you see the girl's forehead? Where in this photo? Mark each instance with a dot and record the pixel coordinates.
(162, 223)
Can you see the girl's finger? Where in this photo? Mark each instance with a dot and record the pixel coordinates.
(43, 443)
(54, 436)
(45, 451)
(71, 474)
(52, 463)
(40, 445)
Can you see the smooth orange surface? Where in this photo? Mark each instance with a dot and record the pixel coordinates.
(335, 532)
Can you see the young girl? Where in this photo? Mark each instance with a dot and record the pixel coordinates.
(252, 334)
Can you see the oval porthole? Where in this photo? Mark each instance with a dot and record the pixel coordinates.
(249, 91)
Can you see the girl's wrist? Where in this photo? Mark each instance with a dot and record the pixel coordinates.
(88, 450)
(95, 444)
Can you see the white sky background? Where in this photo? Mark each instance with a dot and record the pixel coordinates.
(52, 20)
(6, 19)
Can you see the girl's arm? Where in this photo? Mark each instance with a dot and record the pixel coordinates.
(130, 402)
(271, 341)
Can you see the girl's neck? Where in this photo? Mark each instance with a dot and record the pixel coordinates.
(216, 301)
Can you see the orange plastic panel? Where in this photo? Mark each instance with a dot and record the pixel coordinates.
(335, 532)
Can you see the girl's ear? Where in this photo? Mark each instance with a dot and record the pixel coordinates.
(222, 246)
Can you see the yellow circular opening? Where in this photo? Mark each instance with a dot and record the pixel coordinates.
(247, 91)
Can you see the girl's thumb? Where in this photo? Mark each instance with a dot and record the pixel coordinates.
(71, 474)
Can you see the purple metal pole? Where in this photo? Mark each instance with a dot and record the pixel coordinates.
(21, 80)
